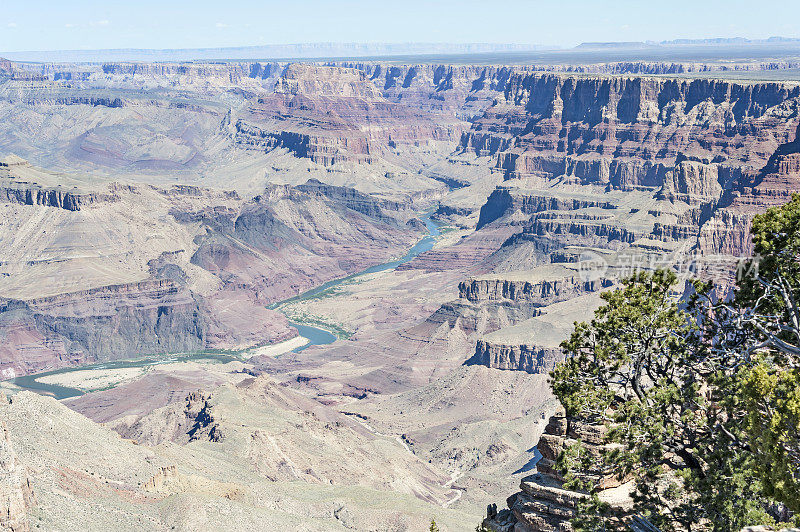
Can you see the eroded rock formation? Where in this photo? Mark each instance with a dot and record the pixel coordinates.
(110, 271)
(701, 143)
(543, 504)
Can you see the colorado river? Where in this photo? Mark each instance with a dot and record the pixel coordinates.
(30, 382)
(315, 335)
(319, 336)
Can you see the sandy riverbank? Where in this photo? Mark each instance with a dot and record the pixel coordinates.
(276, 349)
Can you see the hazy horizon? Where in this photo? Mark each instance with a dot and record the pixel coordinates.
(149, 25)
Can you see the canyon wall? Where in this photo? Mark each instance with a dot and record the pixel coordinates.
(607, 164)
(714, 150)
(120, 270)
(620, 173)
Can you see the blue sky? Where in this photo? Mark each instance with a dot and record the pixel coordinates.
(84, 24)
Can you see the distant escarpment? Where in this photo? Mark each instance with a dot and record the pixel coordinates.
(628, 132)
(232, 72)
(337, 115)
(465, 90)
(711, 150)
(662, 68)
(391, 78)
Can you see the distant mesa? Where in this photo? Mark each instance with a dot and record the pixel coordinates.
(722, 41)
(734, 40)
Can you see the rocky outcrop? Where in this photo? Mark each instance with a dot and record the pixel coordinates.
(543, 504)
(203, 426)
(51, 197)
(505, 200)
(533, 345)
(522, 357)
(529, 287)
(181, 422)
(19, 184)
(340, 226)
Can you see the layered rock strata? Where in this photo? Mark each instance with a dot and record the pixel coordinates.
(334, 115)
(712, 148)
(543, 504)
(137, 270)
(533, 345)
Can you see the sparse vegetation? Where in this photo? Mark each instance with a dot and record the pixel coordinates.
(702, 396)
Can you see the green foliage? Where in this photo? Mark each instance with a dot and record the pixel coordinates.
(772, 399)
(592, 515)
(646, 368)
(434, 527)
(770, 385)
(572, 460)
(639, 326)
(701, 398)
(776, 245)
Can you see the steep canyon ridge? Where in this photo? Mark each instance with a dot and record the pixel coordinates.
(173, 211)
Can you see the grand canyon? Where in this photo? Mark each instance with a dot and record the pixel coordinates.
(326, 294)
